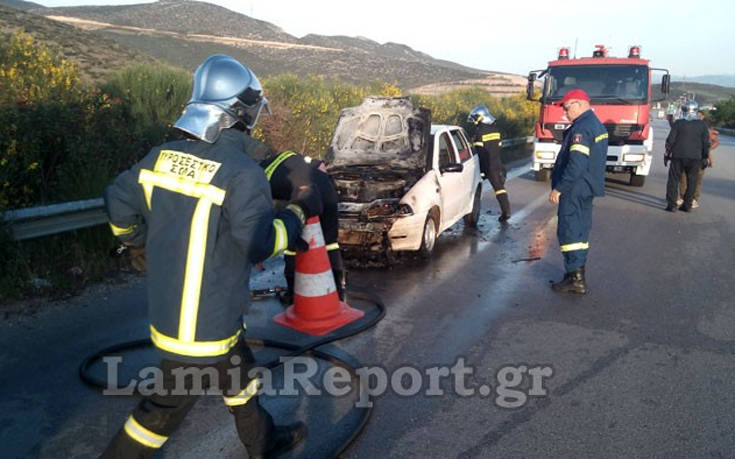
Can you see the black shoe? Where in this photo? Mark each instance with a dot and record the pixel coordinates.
(282, 439)
(671, 208)
(573, 282)
(286, 298)
(684, 208)
(503, 217)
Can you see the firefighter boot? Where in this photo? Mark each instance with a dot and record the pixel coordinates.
(504, 207)
(282, 439)
(573, 282)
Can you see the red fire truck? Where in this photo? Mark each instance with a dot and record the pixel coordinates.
(620, 93)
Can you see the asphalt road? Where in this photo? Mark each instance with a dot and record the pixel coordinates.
(642, 366)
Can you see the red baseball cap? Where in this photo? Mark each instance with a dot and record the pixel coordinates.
(576, 94)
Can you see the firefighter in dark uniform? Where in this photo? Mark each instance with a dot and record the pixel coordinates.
(577, 177)
(486, 141)
(202, 209)
(289, 175)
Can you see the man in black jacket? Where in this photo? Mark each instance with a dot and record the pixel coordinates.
(687, 150)
(202, 209)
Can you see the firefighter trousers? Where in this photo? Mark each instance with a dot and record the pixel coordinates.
(575, 222)
(496, 175)
(158, 416)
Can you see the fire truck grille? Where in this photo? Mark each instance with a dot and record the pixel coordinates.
(617, 133)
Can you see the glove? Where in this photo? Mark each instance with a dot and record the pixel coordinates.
(705, 163)
(299, 245)
(307, 197)
(667, 158)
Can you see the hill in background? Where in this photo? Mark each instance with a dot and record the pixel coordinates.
(182, 33)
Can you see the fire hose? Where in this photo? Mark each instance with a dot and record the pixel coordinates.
(295, 350)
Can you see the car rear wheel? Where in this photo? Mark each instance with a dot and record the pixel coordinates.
(472, 219)
(429, 238)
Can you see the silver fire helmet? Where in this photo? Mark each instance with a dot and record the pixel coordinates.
(480, 114)
(225, 92)
(689, 110)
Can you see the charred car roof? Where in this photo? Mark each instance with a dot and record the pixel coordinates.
(385, 132)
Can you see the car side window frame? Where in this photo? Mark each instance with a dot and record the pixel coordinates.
(462, 147)
(450, 151)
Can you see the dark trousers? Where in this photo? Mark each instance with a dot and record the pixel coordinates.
(677, 167)
(492, 167)
(575, 222)
(157, 416)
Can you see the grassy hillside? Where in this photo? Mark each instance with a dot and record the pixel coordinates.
(704, 93)
(95, 55)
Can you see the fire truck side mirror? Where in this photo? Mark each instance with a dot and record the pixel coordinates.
(665, 83)
(529, 86)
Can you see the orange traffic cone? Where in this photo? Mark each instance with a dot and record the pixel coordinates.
(317, 309)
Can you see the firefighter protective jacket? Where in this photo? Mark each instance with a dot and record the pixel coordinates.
(204, 213)
(487, 145)
(582, 156)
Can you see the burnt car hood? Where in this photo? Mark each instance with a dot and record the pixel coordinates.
(379, 149)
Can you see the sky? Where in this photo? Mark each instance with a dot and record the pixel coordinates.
(686, 37)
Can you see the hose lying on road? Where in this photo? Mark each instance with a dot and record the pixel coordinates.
(295, 350)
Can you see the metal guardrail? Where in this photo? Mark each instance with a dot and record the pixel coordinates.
(59, 218)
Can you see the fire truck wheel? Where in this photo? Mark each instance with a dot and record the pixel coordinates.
(637, 180)
(543, 175)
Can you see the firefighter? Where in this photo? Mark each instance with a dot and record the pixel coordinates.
(289, 174)
(486, 141)
(577, 177)
(202, 209)
(687, 151)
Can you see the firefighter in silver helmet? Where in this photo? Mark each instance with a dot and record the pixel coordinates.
(486, 140)
(202, 209)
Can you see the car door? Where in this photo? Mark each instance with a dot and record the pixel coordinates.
(464, 154)
(450, 183)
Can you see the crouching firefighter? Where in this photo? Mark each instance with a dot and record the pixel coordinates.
(292, 176)
(577, 177)
(486, 141)
(202, 209)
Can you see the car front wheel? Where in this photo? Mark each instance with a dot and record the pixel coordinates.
(428, 239)
(472, 219)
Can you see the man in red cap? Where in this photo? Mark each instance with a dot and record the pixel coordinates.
(578, 176)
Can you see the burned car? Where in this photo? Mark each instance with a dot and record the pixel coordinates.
(401, 181)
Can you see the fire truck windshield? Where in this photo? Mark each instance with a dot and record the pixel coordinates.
(605, 84)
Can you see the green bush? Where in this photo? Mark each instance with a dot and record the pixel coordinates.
(724, 115)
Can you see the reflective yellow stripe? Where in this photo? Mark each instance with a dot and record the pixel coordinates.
(601, 137)
(500, 192)
(478, 144)
(281, 237)
(182, 186)
(142, 435)
(243, 397)
(575, 246)
(193, 348)
(277, 162)
(194, 270)
(148, 192)
(491, 136)
(119, 231)
(333, 246)
(298, 211)
(289, 253)
(580, 148)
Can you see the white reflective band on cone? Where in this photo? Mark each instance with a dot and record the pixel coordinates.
(311, 285)
(313, 231)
